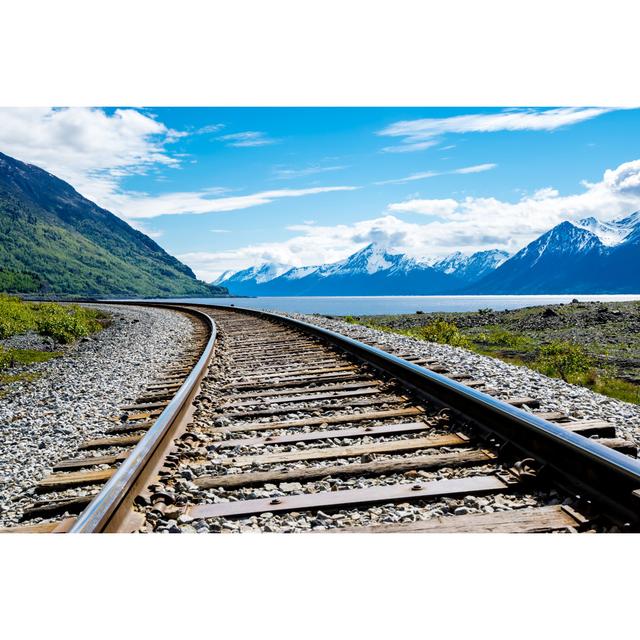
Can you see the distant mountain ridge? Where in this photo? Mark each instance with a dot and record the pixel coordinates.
(370, 271)
(53, 240)
(586, 256)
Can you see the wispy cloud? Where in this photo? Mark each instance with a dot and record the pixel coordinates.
(133, 206)
(426, 132)
(247, 139)
(286, 174)
(478, 168)
(209, 128)
(219, 230)
(411, 146)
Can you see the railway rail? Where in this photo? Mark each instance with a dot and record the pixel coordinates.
(278, 425)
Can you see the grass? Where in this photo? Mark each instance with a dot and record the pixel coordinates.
(562, 359)
(616, 388)
(63, 323)
(13, 357)
(10, 378)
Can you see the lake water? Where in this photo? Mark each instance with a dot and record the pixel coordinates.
(372, 305)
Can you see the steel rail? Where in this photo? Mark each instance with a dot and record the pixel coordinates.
(605, 475)
(96, 516)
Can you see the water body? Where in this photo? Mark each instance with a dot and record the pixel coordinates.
(374, 305)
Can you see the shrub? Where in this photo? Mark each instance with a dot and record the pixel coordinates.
(563, 360)
(66, 323)
(442, 332)
(15, 316)
(502, 338)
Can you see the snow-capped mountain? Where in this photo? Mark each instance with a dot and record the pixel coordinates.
(370, 271)
(471, 267)
(588, 256)
(253, 276)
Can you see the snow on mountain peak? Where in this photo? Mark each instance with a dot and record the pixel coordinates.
(370, 260)
(223, 276)
(609, 233)
(269, 271)
(474, 265)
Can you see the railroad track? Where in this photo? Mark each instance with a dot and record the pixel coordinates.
(282, 426)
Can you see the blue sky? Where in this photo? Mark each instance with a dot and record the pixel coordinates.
(226, 188)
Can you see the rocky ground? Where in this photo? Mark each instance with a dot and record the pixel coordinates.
(609, 332)
(74, 397)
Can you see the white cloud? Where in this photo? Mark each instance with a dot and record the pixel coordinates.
(87, 147)
(431, 174)
(132, 206)
(476, 168)
(313, 244)
(426, 132)
(625, 179)
(209, 128)
(473, 221)
(423, 175)
(287, 174)
(247, 139)
(468, 225)
(411, 146)
(219, 230)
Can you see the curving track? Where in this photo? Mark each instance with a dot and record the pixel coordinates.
(295, 428)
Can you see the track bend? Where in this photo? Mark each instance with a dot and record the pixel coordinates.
(294, 428)
(297, 431)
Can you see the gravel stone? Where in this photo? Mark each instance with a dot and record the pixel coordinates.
(77, 395)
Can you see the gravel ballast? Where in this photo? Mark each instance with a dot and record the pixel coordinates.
(75, 397)
(507, 379)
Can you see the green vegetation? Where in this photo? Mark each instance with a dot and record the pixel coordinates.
(498, 337)
(54, 241)
(19, 281)
(12, 357)
(564, 360)
(442, 332)
(589, 344)
(63, 323)
(614, 388)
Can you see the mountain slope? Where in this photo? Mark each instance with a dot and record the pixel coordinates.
(588, 256)
(54, 240)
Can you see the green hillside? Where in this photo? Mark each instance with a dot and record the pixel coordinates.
(53, 240)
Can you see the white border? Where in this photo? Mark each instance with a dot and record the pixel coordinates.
(280, 52)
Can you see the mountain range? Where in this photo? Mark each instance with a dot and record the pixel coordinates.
(53, 240)
(370, 271)
(587, 256)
